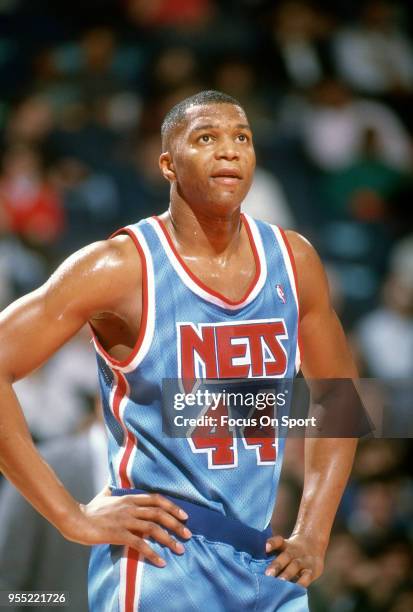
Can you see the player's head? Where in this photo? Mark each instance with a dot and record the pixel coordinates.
(178, 113)
(207, 152)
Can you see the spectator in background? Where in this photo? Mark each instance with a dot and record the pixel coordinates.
(383, 340)
(89, 64)
(375, 458)
(198, 25)
(385, 574)
(43, 559)
(22, 269)
(173, 67)
(152, 189)
(375, 56)
(374, 516)
(363, 156)
(369, 561)
(91, 201)
(84, 131)
(98, 46)
(300, 44)
(30, 122)
(378, 504)
(266, 200)
(385, 336)
(356, 580)
(57, 397)
(335, 124)
(50, 82)
(94, 67)
(364, 189)
(403, 602)
(169, 13)
(29, 206)
(338, 589)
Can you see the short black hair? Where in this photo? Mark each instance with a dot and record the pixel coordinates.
(177, 113)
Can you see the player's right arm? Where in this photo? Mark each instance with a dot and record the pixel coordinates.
(95, 283)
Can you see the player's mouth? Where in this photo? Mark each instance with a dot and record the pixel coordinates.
(227, 176)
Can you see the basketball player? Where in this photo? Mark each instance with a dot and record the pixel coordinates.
(200, 289)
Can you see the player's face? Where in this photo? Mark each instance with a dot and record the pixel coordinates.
(213, 156)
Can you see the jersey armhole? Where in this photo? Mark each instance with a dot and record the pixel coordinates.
(143, 340)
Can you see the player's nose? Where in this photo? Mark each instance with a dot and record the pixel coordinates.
(226, 149)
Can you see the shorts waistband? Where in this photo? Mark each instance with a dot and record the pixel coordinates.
(217, 527)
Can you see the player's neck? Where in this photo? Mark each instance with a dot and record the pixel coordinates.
(209, 232)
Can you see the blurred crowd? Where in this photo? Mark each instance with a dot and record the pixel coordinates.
(328, 88)
(369, 562)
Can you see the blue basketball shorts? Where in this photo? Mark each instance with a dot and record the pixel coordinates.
(221, 570)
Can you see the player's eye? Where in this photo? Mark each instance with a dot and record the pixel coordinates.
(205, 138)
(242, 137)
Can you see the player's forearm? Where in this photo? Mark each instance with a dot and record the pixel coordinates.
(22, 464)
(328, 463)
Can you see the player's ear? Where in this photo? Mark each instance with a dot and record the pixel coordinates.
(167, 167)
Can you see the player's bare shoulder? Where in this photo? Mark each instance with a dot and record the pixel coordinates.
(100, 277)
(312, 284)
(303, 251)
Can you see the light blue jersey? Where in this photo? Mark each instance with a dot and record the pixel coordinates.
(189, 331)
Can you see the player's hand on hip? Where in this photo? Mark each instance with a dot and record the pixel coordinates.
(130, 520)
(299, 559)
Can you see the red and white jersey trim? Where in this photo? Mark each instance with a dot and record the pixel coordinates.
(130, 583)
(123, 462)
(292, 275)
(197, 286)
(131, 564)
(147, 326)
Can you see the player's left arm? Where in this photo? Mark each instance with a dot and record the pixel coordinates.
(328, 461)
